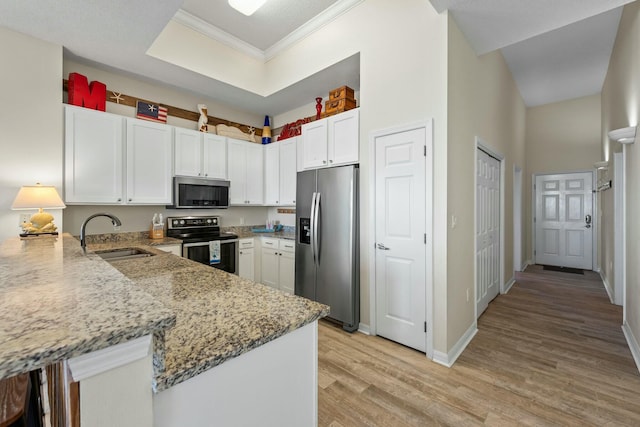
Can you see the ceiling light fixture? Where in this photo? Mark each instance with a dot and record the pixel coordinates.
(624, 135)
(246, 7)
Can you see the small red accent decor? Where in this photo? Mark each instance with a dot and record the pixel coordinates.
(318, 108)
(83, 94)
(292, 129)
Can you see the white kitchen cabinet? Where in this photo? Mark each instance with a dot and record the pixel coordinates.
(314, 144)
(278, 264)
(272, 174)
(287, 266)
(175, 249)
(288, 172)
(93, 153)
(214, 156)
(200, 154)
(331, 141)
(280, 173)
(149, 162)
(246, 260)
(246, 172)
(269, 260)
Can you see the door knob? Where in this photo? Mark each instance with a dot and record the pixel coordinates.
(383, 247)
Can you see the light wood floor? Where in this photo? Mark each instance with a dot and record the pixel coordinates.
(550, 352)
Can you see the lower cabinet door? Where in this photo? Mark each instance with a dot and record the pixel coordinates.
(287, 271)
(246, 264)
(270, 267)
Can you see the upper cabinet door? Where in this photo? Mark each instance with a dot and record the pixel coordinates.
(344, 137)
(93, 156)
(314, 144)
(214, 159)
(149, 162)
(288, 172)
(255, 174)
(272, 174)
(188, 152)
(237, 172)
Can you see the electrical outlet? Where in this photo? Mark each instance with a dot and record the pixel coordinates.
(241, 220)
(24, 218)
(467, 294)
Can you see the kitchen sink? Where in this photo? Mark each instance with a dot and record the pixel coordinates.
(124, 253)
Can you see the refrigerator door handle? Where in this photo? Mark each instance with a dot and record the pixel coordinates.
(316, 231)
(313, 231)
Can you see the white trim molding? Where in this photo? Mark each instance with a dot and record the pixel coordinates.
(509, 285)
(203, 27)
(448, 359)
(363, 328)
(633, 344)
(97, 362)
(607, 286)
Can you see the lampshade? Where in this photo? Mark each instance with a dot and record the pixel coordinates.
(624, 135)
(247, 7)
(601, 165)
(37, 197)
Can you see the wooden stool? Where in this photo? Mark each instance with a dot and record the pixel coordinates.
(14, 400)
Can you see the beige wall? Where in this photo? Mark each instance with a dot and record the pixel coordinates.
(30, 121)
(484, 102)
(620, 108)
(560, 137)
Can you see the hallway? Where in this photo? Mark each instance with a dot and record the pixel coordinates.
(550, 352)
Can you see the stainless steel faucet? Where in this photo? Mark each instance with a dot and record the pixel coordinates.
(114, 220)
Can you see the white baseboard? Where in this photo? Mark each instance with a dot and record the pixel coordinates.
(364, 329)
(633, 344)
(509, 284)
(607, 286)
(526, 264)
(448, 359)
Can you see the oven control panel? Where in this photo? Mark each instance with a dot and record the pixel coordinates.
(192, 222)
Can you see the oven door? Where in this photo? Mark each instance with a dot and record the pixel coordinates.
(199, 252)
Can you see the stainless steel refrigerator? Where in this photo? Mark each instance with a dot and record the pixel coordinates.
(327, 241)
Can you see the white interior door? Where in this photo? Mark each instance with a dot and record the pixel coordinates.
(400, 237)
(563, 220)
(487, 230)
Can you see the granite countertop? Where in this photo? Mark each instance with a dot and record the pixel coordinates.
(218, 315)
(244, 232)
(56, 302)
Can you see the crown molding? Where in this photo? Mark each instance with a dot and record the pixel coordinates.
(312, 25)
(197, 24)
(215, 33)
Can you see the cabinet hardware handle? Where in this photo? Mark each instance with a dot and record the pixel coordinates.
(119, 200)
(324, 161)
(130, 199)
(330, 161)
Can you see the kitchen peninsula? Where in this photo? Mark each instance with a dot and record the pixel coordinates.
(221, 344)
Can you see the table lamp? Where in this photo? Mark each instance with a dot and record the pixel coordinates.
(38, 197)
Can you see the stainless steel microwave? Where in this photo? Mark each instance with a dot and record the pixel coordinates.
(199, 193)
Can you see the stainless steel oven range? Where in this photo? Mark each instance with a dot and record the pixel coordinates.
(197, 234)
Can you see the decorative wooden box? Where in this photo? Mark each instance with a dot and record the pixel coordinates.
(343, 92)
(339, 106)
